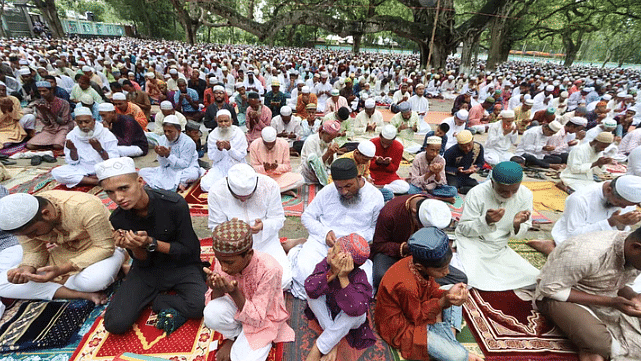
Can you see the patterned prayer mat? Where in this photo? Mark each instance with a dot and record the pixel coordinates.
(457, 210)
(29, 325)
(508, 329)
(547, 196)
(295, 206)
(13, 149)
(197, 199)
(308, 331)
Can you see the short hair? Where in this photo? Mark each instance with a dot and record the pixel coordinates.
(127, 82)
(444, 127)
(42, 203)
(115, 86)
(518, 159)
(50, 77)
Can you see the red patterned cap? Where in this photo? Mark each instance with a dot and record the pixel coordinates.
(232, 237)
(357, 246)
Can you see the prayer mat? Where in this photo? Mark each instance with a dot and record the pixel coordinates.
(547, 197)
(36, 184)
(508, 329)
(94, 190)
(436, 117)
(464, 337)
(295, 206)
(196, 199)
(616, 169)
(13, 149)
(308, 331)
(42, 324)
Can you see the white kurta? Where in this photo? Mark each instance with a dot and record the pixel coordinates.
(497, 146)
(71, 174)
(326, 213)
(490, 264)
(320, 87)
(294, 126)
(539, 102)
(454, 130)
(180, 167)
(579, 170)
(224, 159)
(532, 142)
(634, 162)
(362, 119)
(419, 105)
(585, 211)
(265, 205)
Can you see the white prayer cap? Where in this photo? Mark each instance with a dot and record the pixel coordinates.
(24, 71)
(23, 62)
(166, 105)
(150, 75)
(367, 148)
(219, 88)
(239, 85)
(434, 213)
(242, 179)
(389, 132)
(16, 210)
(507, 113)
(286, 110)
(173, 71)
(222, 112)
(564, 94)
(114, 167)
(605, 137)
(529, 102)
(224, 68)
(434, 140)
(305, 90)
(607, 97)
(335, 92)
(549, 88)
(621, 95)
(268, 134)
(119, 96)
(609, 123)
(555, 126)
(462, 114)
(213, 80)
(171, 119)
(82, 111)
(627, 186)
(86, 69)
(579, 121)
(106, 107)
(370, 103)
(86, 99)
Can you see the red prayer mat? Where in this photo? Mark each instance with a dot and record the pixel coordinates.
(295, 206)
(197, 199)
(508, 329)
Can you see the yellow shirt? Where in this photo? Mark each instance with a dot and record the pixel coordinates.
(363, 169)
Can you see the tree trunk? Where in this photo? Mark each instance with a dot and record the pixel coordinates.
(499, 37)
(356, 46)
(49, 12)
(444, 42)
(190, 32)
(607, 58)
(209, 35)
(466, 54)
(2, 33)
(571, 47)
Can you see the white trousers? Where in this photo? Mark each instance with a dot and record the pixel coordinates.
(219, 316)
(398, 186)
(129, 151)
(28, 121)
(333, 329)
(94, 278)
(479, 129)
(494, 157)
(70, 175)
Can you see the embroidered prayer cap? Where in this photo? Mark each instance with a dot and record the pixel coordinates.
(555, 126)
(389, 132)
(370, 103)
(463, 114)
(367, 148)
(268, 134)
(43, 84)
(80, 111)
(305, 90)
(275, 82)
(627, 186)
(86, 99)
(404, 107)
(191, 125)
(114, 167)
(166, 105)
(434, 213)
(490, 100)
(119, 96)
(242, 179)
(335, 92)
(222, 112)
(356, 246)
(16, 210)
(434, 140)
(579, 121)
(343, 169)
(232, 237)
(507, 114)
(286, 110)
(343, 113)
(428, 244)
(609, 123)
(464, 137)
(605, 137)
(507, 173)
(311, 106)
(331, 127)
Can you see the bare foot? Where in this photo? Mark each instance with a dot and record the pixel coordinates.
(224, 351)
(590, 357)
(98, 298)
(557, 166)
(331, 356)
(474, 357)
(291, 243)
(314, 354)
(289, 193)
(125, 268)
(545, 246)
(182, 188)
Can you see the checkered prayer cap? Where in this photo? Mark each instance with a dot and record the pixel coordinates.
(356, 246)
(232, 237)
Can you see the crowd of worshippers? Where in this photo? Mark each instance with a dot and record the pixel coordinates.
(371, 232)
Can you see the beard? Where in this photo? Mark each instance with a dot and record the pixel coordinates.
(85, 135)
(355, 199)
(500, 199)
(225, 133)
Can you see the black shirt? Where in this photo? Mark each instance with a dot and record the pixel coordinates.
(167, 220)
(129, 132)
(210, 115)
(199, 86)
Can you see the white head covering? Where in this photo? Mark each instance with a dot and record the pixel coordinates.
(219, 88)
(173, 71)
(24, 71)
(370, 103)
(555, 126)
(627, 186)
(367, 148)
(462, 114)
(507, 113)
(609, 123)
(389, 132)
(434, 140)
(222, 112)
(549, 88)
(286, 110)
(114, 167)
(607, 97)
(82, 111)
(166, 105)
(86, 68)
(242, 179)
(86, 99)
(16, 210)
(119, 96)
(579, 121)
(434, 213)
(106, 107)
(605, 137)
(305, 90)
(171, 119)
(268, 134)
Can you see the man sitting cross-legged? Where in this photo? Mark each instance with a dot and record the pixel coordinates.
(247, 305)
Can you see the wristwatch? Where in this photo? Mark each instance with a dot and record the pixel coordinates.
(151, 247)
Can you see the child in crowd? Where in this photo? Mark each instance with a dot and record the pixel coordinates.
(441, 132)
(428, 171)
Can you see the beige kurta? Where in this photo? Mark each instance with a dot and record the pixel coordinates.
(10, 130)
(283, 175)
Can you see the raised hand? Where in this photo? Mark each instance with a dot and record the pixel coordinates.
(494, 215)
